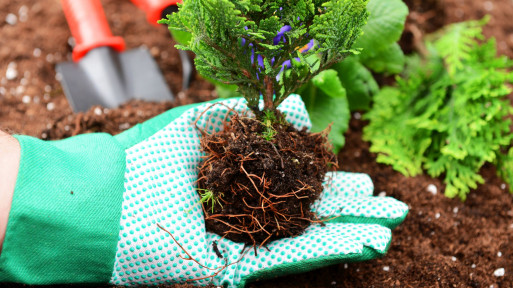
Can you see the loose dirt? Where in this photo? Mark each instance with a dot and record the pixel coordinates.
(442, 243)
(263, 177)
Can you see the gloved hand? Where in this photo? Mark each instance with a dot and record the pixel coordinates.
(65, 225)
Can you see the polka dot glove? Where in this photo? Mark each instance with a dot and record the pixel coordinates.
(163, 238)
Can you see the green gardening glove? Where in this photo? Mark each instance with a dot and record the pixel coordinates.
(123, 210)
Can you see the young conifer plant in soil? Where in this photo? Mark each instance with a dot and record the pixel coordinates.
(261, 175)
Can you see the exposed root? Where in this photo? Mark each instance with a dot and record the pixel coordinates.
(269, 185)
(216, 270)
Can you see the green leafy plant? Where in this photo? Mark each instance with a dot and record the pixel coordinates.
(349, 84)
(268, 48)
(448, 115)
(380, 52)
(326, 101)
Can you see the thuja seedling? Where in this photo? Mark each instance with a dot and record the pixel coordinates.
(268, 48)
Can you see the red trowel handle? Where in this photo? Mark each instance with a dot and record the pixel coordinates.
(154, 8)
(89, 27)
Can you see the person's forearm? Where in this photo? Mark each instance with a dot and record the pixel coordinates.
(9, 162)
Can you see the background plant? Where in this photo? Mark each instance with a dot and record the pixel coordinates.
(350, 84)
(234, 42)
(380, 52)
(448, 114)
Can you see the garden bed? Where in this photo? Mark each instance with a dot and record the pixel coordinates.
(442, 243)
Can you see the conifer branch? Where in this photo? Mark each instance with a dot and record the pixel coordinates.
(254, 43)
(450, 115)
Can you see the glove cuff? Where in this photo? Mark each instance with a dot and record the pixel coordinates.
(64, 222)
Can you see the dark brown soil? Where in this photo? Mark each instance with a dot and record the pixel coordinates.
(263, 188)
(442, 243)
(427, 16)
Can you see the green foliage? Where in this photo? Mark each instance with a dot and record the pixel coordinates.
(268, 119)
(448, 115)
(208, 196)
(326, 102)
(181, 37)
(358, 82)
(457, 44)
(383, 30)
(380, 51)
(389, 60)
(350, 84)
(229, 36)
(386, 23)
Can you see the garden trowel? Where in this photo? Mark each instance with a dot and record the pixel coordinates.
(156, 10)
(102, 72)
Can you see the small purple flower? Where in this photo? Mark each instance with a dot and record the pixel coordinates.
(287, 64)
(280, 36)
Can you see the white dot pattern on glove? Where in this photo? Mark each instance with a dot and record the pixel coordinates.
(350, 194)
(317, 241)
(346, 184)
(160, 189)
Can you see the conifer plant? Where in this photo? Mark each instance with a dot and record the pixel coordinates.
(261, 174)
(448, 114)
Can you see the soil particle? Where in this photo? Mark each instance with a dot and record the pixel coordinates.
(262, 187)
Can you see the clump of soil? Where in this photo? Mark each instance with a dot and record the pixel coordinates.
(262, 189)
